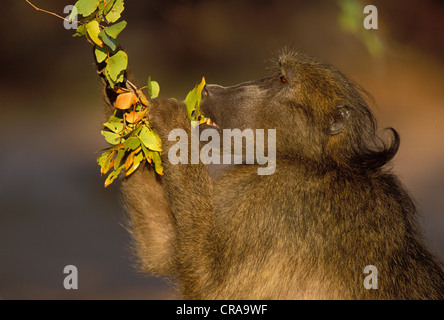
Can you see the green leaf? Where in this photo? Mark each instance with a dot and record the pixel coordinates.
(101, 53)
(108, 7)
(109, 41)
(102, 158)
(192, 101)
(93, 30)
(111, 137)
(157, 163)
(114, 124)
(150, 139)
(86, 7)
(109, 35)
(146, 152)
(133, 133)
(114, 30)
(116, 67)
(113, 175)
(132, 143)
(118, 158)
(153, 88)
(106, 163)
(81, 31)
(114, 13)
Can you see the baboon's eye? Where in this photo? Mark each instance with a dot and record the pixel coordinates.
(283, 79)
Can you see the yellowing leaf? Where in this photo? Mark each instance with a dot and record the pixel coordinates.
(143, 98)
(108, 162)
(120, 90)
(136, 162)
(133, 116)
(125, 100)
(157, 163)
(102, 158)
(192, 101)
(113, 175)
(129, 160)
(93, 30)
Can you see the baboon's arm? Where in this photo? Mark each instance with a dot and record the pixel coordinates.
(189, 192)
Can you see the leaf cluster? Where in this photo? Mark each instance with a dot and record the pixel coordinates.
(132, 140)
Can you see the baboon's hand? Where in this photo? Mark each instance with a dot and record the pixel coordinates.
(166, 115)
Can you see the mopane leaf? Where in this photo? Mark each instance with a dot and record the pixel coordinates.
(109, 41)
(132, 143)
(192, 100)
(116, 67)
(146, 152)
(133, 133)
(107, 163)
(136, 162)
(132, 169)
(121, 90)
(102, 158)
(114, 30)
(142, 98)
(150, 139)
(86, 7)
(111, 137)
(81, 31)
(113, 175)
(125, 100)
(93, 30)
(108, 6)
(133, 116)
(153, 88)
(129, 160)
(101, 53)
(114, 126)
(118, 158)
(114, 13)
(157, 163)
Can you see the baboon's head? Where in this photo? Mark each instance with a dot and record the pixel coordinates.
(319, 115)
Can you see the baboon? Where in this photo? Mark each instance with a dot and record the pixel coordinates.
(307, 231)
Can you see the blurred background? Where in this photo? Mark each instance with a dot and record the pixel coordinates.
(54, 210)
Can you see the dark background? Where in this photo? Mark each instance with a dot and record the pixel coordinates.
(54, 210)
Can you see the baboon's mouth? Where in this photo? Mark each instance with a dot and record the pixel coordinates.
(206, 118)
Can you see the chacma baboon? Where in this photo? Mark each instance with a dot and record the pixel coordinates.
(306, 231)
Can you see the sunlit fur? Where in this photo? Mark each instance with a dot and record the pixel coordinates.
(331, 208)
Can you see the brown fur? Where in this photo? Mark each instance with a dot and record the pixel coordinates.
(305, 232)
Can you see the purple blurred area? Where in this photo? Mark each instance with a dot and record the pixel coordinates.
(54, 210)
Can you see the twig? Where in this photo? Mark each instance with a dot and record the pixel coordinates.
(45, 11)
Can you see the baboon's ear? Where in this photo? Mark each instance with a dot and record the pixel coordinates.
(339, 120)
